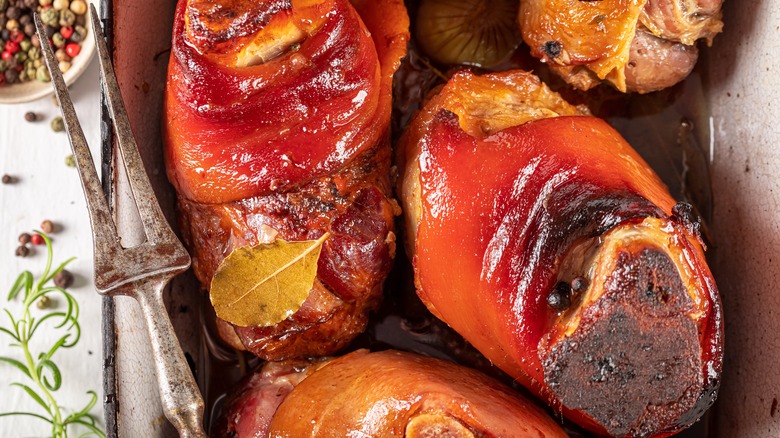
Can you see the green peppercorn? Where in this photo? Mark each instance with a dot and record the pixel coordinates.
(25, 45)
(50, 16)
(20, 57)
(3, 65)
(42, 74)
(43, 302)
(58, 40)
(57, 124)
(22, 76)
(34, 53)
(32, 73)
(67, 17)
(37, 61)
(70, 161)
(79, 33)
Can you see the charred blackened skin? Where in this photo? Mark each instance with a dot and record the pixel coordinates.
(552, 49)
(633, 363)
(684, 214)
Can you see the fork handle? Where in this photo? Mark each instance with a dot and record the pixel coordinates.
(181, 399)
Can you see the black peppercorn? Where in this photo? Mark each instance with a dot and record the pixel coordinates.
(63, 279)
(552, 49)
(11, 75)
(30, 4)
(5, 34)
(13, 13)
(25, 238)
(29, 29)
(8, 179)
(24, 19)
(30, 116)
(22, 251)
(560, 297)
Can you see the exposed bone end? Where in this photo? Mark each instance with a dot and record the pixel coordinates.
(633, 363)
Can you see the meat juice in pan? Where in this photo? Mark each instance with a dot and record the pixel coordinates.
(668, 128)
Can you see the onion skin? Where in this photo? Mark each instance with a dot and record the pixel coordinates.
(498, 216)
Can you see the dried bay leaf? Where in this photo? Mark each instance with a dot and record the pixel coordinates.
(265, 284)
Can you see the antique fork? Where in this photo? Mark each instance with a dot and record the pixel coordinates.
(141, 271)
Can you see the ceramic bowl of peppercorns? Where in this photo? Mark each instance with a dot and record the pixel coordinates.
(23, 74)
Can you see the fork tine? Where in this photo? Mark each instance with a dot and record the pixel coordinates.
(103, 227)
(155, 224)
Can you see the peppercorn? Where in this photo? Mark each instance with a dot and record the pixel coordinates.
(58, 40)
(78, 7)
(24, 238)
(35, 40)
(44, 2)
(22, 251)
(60, 4)
(42, 74)
(11, 75)
(560, 297)
(29, 29)
(552, 49)
(50, 17)
(24, 19)
(72, 49)
(3, 5)
(64, 66)
(579, 284)
(70, 161)
(7, 179)
(43, 302)
(30, 4)
(25, 45)
(13, 13)
(67, 18)
(30, 116)
(57, 125)
(34, 53)
(63, 279)
(60, 55)
(37, 239)
(47, 226)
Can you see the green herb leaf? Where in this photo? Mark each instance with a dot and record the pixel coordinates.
(34, 395)
(265, 284)
(17, 364)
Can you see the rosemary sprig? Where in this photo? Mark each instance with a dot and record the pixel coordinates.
(41, 370)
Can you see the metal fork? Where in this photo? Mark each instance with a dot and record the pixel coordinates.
(141, 271)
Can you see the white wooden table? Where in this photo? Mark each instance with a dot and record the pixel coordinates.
(48, 189)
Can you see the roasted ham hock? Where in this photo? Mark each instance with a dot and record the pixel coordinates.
(543, 238)
(382, 394)
(277, 127)
(636, 45)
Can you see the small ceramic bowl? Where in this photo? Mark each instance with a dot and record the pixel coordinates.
(32, 90)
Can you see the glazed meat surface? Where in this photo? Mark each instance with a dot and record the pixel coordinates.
(277, 127)
(575, 271)
(637, 45)
(380, 394)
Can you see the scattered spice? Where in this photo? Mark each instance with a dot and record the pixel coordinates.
(24, 238)
(37, 239)
(47, 226)
(43, 302)
(70, 161)
(579, 284)
(63, 279)
(30, 116)
(552, 49)
(560, 297)
(20, 56)
(22, 251)
(57, 125)
(8, 179)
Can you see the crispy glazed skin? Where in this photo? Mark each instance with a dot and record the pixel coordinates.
(586, 42)
(382, 394)
(509, 194)
(277, 126)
